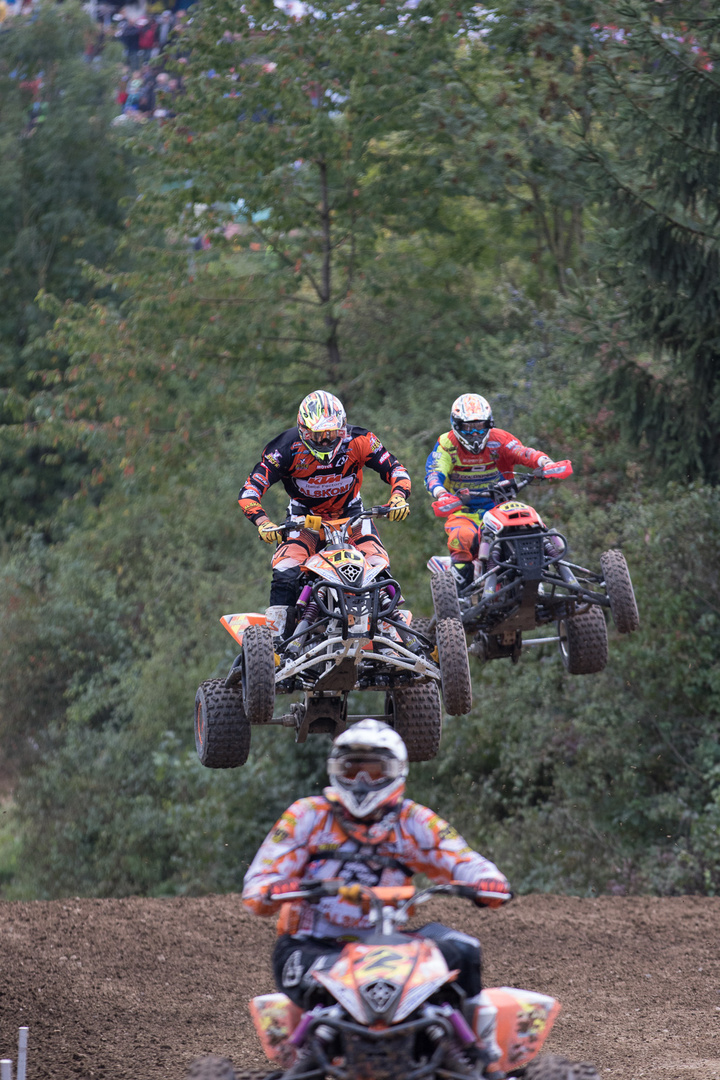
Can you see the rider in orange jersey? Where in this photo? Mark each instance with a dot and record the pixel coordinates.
(362, 829)
(320, 464)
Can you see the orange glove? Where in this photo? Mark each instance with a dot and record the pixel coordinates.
(500, 886)
(400, 507)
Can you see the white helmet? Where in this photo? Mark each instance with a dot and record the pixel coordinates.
(471, 419)
(367, 768)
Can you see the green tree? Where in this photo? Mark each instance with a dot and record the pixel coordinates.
(63, 174)
(655, 158)
(282, 155)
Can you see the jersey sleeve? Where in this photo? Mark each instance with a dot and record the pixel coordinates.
(443, 854)
(511, 452)
(438, 466)
(268, 471)
(376, 457)
(283, 855)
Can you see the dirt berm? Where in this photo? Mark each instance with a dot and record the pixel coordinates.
(135, 989)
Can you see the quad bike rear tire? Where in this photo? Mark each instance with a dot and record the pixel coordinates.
(620, 591)
(454, 667)
(554, 1067)
(424, 626)
(416, 715)
(212, 1067)
(445, 596)
(258, 674)
(584, 642)
(222, 731)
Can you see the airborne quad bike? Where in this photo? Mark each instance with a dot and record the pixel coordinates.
(522, 580)
(388, 1008)
(350, 635)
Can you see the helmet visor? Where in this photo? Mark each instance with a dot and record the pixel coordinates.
(372, 769)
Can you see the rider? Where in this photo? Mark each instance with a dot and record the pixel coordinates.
(473, 454)
(362, 829)
(320, 464)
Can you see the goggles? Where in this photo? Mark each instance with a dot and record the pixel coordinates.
(373, 769)
(473, 427)
(322, 440)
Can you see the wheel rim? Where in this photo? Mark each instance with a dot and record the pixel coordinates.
(563, 643)
(200, 728)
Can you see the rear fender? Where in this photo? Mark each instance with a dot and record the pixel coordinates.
(437, 563)
(236, 625)
(524, 1021)
(275, 1018)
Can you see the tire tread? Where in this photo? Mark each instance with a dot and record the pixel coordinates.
(445, 596)
(454, 667)
(417, 718)
(621, 594)
(259, 674)
(226, 743)
(587, 642)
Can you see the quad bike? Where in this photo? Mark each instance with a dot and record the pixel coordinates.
(522, 580)
(388, 1008)
(350, 635)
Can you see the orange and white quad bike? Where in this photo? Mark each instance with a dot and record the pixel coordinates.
(388, 1008)
(350, 635)
(523, 580)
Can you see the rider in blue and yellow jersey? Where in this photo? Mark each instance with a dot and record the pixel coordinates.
(473, 454)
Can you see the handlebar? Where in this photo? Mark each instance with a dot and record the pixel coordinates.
(402, 897)
(557, 470)
(314, 523)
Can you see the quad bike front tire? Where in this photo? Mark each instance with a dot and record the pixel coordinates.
(416, 715)
(445, 596)
(454, 667)
(222, 731)
(584, 642)
(621, 594)
(554, 1067)
(258, 674)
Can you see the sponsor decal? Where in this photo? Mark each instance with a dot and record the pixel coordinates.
(292, 971)
(275, 456)
(375, 443)
(323, 487)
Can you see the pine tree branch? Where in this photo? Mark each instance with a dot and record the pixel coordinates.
(597, 158)
(676, 58)
(651, 119)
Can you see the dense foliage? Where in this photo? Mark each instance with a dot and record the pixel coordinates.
(399, 205)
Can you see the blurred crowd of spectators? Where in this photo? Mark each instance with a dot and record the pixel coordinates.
(150, 35)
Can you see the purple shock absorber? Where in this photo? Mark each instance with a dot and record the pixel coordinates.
(304, 596)
(461, 1028)
(391, 591)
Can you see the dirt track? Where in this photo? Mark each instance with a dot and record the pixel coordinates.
(135, 989)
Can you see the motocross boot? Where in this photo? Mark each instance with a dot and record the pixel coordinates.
(481, 1014)
(278, 622)
(463, 572)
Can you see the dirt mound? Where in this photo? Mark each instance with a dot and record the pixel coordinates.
(136, 989)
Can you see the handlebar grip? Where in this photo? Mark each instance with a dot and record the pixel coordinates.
(352, 893)
(467, 892)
